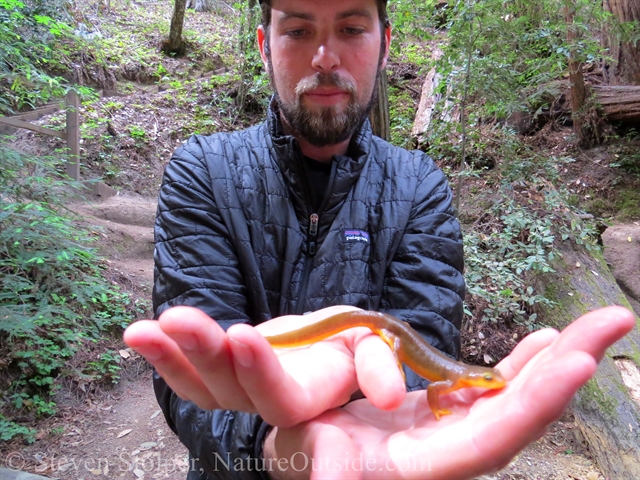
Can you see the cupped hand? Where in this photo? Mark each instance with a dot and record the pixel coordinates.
(485, 430)
(239, 370)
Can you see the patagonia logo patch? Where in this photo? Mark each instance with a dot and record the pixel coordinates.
(356, 236)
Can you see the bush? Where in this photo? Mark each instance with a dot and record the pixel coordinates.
(27, 30)
(54, 298)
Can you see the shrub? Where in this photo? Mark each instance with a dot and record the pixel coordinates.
(54, 298)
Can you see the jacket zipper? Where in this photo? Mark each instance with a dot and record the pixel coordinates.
(312, 234)
(312, 246)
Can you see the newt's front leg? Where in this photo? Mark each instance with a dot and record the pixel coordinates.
(434, 390)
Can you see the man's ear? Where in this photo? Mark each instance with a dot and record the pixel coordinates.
(387, 36)
(263, 45)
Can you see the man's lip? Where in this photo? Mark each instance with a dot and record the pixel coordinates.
(326, 93)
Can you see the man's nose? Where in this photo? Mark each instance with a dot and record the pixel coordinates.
(326, 59)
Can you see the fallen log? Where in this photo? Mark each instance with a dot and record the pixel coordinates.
(605, 409)
(429, 98)
(618, 103)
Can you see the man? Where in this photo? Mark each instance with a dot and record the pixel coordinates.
(309, 211)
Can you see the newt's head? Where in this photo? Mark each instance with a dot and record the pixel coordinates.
(484, 378)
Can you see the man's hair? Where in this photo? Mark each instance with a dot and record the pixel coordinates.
(265, 5)
(382, 13)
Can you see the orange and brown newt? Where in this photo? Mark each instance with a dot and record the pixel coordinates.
(444, 373)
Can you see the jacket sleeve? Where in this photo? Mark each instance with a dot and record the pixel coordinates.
(196, 265)
(424, 283)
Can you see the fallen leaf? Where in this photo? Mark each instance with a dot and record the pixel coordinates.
(155, 414)
(487, 358)
(480, 335)
(577, 264)
(595, 273)
(570, 294)
(125, 432)
(148, 445)
(124, 354)
(138, 473)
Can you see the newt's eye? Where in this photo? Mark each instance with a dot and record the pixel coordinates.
(488, 377)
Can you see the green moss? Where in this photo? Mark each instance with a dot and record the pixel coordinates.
(628, 204)
(401, 114)
(591, 393)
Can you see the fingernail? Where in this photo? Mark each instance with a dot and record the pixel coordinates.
(242, 353)
(186, 342)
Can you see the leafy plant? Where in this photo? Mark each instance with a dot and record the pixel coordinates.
(10, 429)
(54, 299)
(27, 31)
(137, 132)
(501, 259)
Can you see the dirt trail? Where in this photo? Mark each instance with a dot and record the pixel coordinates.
(122, 434)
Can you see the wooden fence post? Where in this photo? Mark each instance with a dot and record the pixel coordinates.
(73, 135)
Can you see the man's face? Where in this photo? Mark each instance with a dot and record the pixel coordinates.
(324, 59)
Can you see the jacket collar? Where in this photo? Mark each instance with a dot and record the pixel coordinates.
(290, 160)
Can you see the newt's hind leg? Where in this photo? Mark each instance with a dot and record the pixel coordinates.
(394, 344)
(434, 390)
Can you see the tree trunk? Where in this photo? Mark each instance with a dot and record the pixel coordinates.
(605, 410)
(201, 5)
(578, 89)
(614, 103)
(619, 104)
(379, 115)
(174, 45)
(624, 68)
(247, 37)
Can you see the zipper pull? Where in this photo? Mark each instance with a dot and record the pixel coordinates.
(313, 232)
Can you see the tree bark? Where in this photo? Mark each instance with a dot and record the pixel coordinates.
(605, 410)
(201, 5)
(578, 89)
(624, 68)
(614, 103)
(174, 45)
(428, 100)
(619, 104)
(379, 116)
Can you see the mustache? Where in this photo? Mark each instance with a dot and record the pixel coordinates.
(325, 80)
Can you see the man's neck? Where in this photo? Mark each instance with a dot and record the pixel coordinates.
(323, 154)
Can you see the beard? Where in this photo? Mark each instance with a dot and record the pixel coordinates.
(325, 125)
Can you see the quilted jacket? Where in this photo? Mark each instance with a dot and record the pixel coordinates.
(237, 238)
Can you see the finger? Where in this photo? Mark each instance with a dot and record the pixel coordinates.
(498, 428)
(524, 351)
(596, 331)
(524, 413)
(204, 343)
(317, 450)
(378, 374)
(302, 389)
(146, 338)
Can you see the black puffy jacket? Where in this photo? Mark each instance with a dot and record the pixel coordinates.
(234, 238)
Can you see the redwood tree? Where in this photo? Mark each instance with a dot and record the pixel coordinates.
(624, 68)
